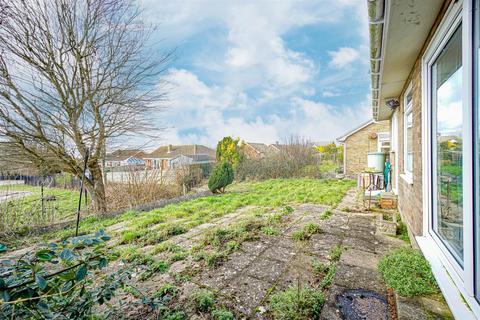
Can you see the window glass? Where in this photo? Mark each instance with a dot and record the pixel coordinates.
(447, 142)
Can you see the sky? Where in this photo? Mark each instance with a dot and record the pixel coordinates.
(261, 70)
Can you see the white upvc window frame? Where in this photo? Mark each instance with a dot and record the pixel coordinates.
(446, 269)
(394, 149)
(408, 110)
(381, 139)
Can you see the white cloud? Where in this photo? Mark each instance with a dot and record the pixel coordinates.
(253, 55)
(343, 57)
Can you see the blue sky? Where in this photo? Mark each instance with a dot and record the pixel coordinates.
(262, 70)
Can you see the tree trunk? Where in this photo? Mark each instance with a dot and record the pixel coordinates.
(97, 188)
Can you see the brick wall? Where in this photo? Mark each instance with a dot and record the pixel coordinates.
(410, 195)
(358, 145)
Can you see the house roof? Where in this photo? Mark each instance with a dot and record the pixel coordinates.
(163, 152)
(360, 127)
(321, 143)
(398, 31)
(259, 147)
(198, 157)
(127, 153)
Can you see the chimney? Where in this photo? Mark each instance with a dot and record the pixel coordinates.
(169, 148)
(194, 149)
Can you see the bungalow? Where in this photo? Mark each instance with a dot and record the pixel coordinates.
(125, 158)
(425, 74)
(370, 136)
(167, 157)
(257, 151)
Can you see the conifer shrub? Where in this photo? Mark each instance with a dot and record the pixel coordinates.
(221, 177)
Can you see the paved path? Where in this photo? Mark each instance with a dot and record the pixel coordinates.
(245, 282)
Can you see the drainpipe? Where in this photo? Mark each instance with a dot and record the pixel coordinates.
(376, 17)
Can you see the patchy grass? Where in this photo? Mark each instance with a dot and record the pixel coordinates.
(325, 215)
(407, 272)
(306, 232)
(222, 314)
(402, 232)
(268, 194)
(202, 300)
(318, 267)
(336, 253)
(297, 303)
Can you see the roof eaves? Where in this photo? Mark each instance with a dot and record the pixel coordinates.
(360, 127)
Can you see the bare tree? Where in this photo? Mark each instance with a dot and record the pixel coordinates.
(74, 74)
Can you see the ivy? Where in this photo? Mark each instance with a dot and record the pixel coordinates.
(59, 280)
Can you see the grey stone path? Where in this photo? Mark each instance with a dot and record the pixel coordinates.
(245, 282)
(247, 279)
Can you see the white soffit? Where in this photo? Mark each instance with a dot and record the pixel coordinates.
(408, 23)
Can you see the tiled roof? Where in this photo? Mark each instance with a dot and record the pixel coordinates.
(186, 150)
(260, 147)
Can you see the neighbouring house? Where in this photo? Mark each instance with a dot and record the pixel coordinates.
(257, 151)
(125, 158)
(170, 156)
(371, 136)
(425, 72)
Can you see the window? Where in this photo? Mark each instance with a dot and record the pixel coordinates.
(408, 134)
(383, 139)
(447, 145)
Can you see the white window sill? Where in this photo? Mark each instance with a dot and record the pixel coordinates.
(407, 178)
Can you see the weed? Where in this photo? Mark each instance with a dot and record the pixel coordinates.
(167, 290)
(270, 231)
(182, 278)
(222, 314)
(297, 303)
(407, 272)
(402, 232)
(178, 256)
(166, 247)
(325, 215)
(203, 300)
(319, 267)
(287, 210)
(327, 280)
(336, 253)
(165, 313)
(130, 236)
(232, 246)
(153, 267)
(306, 232)
(212, 259)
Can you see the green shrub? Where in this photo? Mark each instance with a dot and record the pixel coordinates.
(297, 304)
(203, 300)
(221, 177)
(222, 314)
(407, 272)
